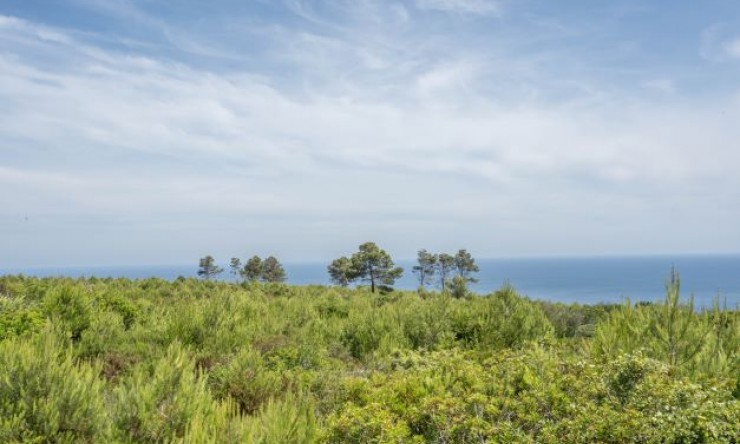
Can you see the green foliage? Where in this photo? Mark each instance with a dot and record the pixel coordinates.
(370, 264)
(247, 380)
(502, 319)
(673, 332)
(70, 307)
(115, 360)
(575, 320)
(159, 403)
(458, 287)
(235, 267)
(252, 269)
(371, 423)
(341, 271)
(46, 397)
(465, 266)
(425, 268)
(17, 319)
(444, 266)
(272, 270)
(124, 307)
(290, 420)
(207, 268)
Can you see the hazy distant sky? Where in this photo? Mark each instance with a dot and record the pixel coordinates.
(156, 132)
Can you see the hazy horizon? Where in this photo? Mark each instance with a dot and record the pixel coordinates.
(399, 260)
(140, 132)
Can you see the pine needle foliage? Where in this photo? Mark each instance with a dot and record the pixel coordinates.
(701, 343)
(208, 361)
(45, 396)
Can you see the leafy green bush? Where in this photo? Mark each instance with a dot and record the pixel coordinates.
(703, 343)
(247, 380)
(500, 320)
(17, 319)
(69, 306)
(46, 397)
(160, 403)
(116, 360)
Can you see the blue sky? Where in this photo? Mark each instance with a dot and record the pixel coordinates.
(153, 132)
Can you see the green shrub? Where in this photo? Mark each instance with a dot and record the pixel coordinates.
(247, 380)
(70, 307)
(17, 318)
(369, 424)
(289, 420)
(46, 397)
(128, 310)
(160, 403)
(214, 362)
(702, 343)
(501, 320)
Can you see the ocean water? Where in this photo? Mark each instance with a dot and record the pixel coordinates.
(584, 280)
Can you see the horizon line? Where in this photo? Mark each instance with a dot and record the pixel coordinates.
(316, 261)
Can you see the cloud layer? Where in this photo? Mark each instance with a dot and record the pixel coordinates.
(305, 129)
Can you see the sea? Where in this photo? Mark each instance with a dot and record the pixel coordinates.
(585, 280)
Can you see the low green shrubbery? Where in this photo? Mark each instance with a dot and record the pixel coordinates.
(116, 360)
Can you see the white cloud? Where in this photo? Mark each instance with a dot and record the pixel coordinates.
(483, 7)
(10, 22)
(662, 85)
(455, 77)
(388, 138)
(732, 48)
(719, 43)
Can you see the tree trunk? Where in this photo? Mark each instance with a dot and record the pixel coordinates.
(372, 280)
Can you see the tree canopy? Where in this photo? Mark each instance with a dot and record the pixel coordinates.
(465, 265)
(252, 269)
(341, 271)
(425, 268)
(370, 264)
(207, 268)
(235, 265)
(272, 270)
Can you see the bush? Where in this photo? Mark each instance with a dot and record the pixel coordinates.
(247, 381)
(70, 307)
(46, 397)
(501, 320)
(17, 319)
(160, 403)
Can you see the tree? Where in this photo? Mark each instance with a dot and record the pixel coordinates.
(465, 265)
(208, 268)
(341, 271)
(444, 266)
(272, 270)
(425, 268)
(458, 287)
(235, 264)
(370, 264)
(252, 269)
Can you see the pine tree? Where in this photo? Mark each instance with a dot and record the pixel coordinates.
(208, 268)
(341, 271)
(465, 265)
(252, 270)
(444, 266)
(235, 265)
(426, 266)
(272, 270)
(370, 264)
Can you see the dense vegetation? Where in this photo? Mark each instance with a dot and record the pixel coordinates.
(254, 270)
(204, 361)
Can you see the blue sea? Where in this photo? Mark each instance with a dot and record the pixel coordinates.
(585, 280)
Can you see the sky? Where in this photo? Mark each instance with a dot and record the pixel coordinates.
(156, 132)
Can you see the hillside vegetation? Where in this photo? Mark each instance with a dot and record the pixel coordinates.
(190, 361)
